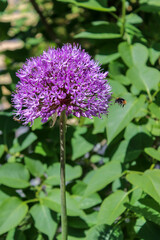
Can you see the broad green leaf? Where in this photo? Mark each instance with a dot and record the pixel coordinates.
(133, 129)
(37, 123)
(103, 231)
(150, 6)
(92, 4)
(117, 71)
(34, 166)
(148, 230)
(130, 149)
(154, 53)
(153, 126)
(53, 201)
(41, 149)
(10, 235)
(101, 30)
(3, 196)
(44, 221)
(14, 175)
(155, 110)
(80, 146)
(12, 210)
(144, 78)
(103, 176)
(88, 201)
(88, 220)
(17, 234)
(155, 154)
(108, 53)
(117, 88)
(145, 211)
(149, 182)
(120, 117)
(133, 18)
(133, 55)
(53, 173)
(112, 207)
(136, 195)
(99, 124)
(22, 142)
(95, 158)
(137, 137)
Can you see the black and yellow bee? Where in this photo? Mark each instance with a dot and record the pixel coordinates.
(121, 101)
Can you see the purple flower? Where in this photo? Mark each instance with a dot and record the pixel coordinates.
(61, 79)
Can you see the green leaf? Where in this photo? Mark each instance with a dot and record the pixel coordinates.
(3, 196)
(105, 232)
(108, 53)
(149, 182)
(155, 110)
(144, 78)
(150, 6)
(136, 195)
(112, 207)
(101, 30)
(12, 210)
(133, 18)
(53, 201)
(87, 202)
(99, 124)
(146, 211)
(14, 175)
(80, 146)
(92, 4)
(15, 234)
(34, 166)
(120, 117)
(44, 222)
(148, 230)
(117, 88)
(22, 142)
(116, 71)
(103, 176)
(130, 149)
(154, 53)
(155, 154)
(137, 137)
(133, 55)
(37, 124)
(53, 174)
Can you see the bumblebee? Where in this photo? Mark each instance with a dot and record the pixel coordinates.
(121, 101)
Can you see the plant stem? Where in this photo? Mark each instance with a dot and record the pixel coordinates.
(123, 17)
(62, 175)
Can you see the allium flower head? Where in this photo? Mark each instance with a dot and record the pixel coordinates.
(61, 79)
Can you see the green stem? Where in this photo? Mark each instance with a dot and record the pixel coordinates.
(62, 175)
(123, 17)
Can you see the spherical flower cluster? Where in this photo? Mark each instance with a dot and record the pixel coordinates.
(61, 79)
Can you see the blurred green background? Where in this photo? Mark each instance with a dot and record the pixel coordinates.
(113, 176)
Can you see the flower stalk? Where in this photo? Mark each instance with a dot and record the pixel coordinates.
(62, 175)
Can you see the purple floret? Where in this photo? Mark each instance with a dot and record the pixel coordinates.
(61, 79)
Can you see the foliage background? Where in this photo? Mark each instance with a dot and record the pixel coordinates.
(113, 176)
